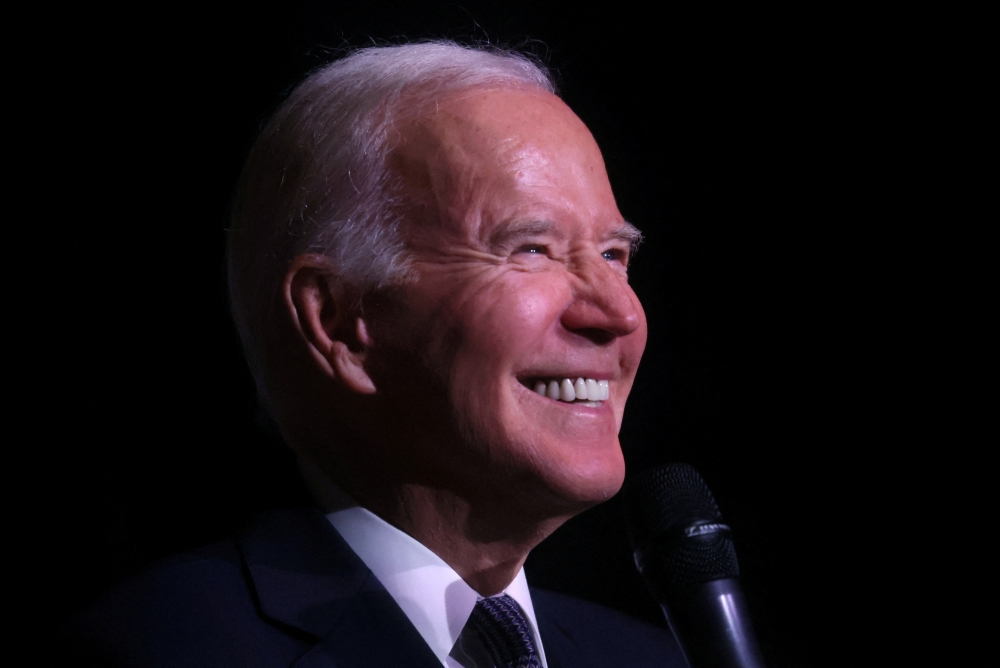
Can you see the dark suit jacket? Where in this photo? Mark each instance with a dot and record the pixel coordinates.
(290, 592)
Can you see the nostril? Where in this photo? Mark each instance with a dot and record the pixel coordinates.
(595, 334)
(603, 315)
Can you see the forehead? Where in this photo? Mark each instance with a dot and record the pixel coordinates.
(489, 157)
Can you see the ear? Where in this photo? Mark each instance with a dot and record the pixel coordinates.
(337, 339)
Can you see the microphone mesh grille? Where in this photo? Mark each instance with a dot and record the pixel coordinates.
(659, 504)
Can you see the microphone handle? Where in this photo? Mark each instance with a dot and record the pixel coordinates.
(713, 626)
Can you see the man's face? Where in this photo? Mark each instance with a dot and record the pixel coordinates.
(519, 255)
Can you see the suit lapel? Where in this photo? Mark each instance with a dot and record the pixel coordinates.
(561, 649)
(308, 580)
(372, 632)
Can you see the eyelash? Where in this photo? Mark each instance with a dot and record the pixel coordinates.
(609, 255)
(535, 249)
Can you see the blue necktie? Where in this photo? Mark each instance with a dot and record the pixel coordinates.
(503, 633)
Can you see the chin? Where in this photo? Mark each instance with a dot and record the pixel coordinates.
(585, 481)
(563, 458)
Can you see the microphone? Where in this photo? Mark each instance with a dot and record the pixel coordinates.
(685, 554)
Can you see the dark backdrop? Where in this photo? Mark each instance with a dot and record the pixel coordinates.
(810, 277)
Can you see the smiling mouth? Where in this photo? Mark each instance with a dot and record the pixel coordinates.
(586, 391)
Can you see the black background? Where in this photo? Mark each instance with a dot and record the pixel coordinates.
(808, 185)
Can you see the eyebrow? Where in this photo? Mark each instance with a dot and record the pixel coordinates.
(504, 234)
(627, 232)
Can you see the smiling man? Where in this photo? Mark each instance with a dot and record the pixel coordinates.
(429, 274)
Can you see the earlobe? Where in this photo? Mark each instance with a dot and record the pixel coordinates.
(349, 364)
(335, 336)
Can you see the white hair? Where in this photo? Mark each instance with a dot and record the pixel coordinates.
(317, 180)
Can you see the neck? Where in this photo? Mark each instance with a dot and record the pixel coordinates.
(485, 542)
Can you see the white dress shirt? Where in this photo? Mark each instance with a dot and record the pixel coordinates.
(435, 599)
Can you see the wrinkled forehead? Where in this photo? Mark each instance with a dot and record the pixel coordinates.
(494, 126)
(473, 151)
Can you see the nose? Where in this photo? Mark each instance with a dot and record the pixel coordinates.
(603, 305)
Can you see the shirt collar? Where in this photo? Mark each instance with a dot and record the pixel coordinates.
(433, 596)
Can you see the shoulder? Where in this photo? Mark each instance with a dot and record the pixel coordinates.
(198, 608)
(580, 633)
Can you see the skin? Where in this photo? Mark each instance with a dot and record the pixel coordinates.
(417, 403)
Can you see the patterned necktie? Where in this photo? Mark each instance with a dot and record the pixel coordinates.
(503, 633)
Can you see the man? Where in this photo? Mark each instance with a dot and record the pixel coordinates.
(428, 271)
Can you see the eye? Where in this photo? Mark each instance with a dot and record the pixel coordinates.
(615, 254)
(533, 249)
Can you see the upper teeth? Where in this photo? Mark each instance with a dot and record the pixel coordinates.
(582, 389)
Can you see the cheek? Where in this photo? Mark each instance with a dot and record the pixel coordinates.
(506, 325)
(510, 321)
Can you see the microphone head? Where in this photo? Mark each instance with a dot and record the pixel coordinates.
(677, 531)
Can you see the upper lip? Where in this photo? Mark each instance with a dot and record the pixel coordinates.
(572, 375)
